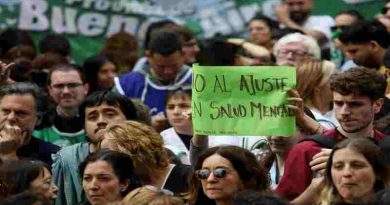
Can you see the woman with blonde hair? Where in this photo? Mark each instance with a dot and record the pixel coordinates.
(314, 88)
(150, 158)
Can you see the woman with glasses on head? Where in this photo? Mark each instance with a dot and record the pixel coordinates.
(222, 171)
(107, 176)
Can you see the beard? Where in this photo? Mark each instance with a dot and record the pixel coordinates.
(299, 17)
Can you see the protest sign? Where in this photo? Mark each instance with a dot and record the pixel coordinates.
(242, 101)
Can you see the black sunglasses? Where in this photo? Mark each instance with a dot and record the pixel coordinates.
(203, 174)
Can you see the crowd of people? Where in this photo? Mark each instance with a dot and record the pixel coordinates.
(117, 128)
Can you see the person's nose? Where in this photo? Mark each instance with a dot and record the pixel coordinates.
(212, 178)
(11, 118)
(54, 189)
(65, 89)
(345, 110)
(94, 185)
(102, 121)
(347, 172)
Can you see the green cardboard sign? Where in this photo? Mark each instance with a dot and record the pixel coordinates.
(242, 100)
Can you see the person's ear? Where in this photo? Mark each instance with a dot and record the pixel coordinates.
(373, 45)
(377, 105)
(86, 88)
(124, 185)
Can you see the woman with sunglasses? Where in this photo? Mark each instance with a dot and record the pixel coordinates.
(222, 171)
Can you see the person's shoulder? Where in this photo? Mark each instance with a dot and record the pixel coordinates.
(43, 145)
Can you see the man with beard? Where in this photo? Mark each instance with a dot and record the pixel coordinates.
(295, 14)
(99, 110)
(357, 96)
(67, 88)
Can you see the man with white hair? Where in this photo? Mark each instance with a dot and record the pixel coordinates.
(295, 47)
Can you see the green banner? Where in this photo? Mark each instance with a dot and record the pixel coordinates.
(242, 101)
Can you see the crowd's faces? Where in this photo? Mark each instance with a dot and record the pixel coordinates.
(220, 189)
(44, 186)
(99, 117)
(352, 175)
(355, 112)
(19, 111)
(299, 9)
(280, 144)
(67, 89)
(106, 75)
(362, 54)
(259, 31)
(166, 68)
(101, 185)
(176, 106)
(190, 51)
(291, 53)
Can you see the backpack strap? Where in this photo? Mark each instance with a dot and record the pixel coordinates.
(324, 141)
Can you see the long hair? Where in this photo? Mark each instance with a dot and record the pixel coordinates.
(371, 152)
(251, 172)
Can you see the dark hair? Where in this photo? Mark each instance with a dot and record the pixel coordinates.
(251, 172)
(272, 25)
(91, 68)
(25, 198)
(14, 37)
(218, 53)
(362, 32)
(164, 43)
(155, 26)
(66, 68)
(179, 92)
(24, 88)
(110, 98)
(371, 152)
(121, 163)
(55, 43)
(18, 175)
(251, 197)
(352, 12)
(359, 81)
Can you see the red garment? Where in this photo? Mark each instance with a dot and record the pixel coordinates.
(297, 171)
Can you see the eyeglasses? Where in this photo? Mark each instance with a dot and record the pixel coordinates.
(68, 85)
(294, 53)
(203, 174)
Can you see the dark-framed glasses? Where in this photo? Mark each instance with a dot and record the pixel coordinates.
(220, 173)
(62, 86)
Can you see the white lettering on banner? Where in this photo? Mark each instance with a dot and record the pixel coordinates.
(32, 15)
(63, 23)
(92, 24)
(87, 4)
(121, 23)
(102, 5)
